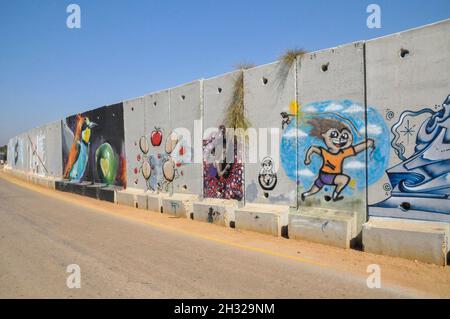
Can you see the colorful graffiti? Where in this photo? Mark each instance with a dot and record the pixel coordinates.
(161, 169)
(421, 181)
(338, 140)
(331, 139)
(267, 177)
(38, 156)
(93, 146)
(222, 178)
(16, 153)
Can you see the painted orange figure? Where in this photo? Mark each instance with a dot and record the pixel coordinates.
(338, 139)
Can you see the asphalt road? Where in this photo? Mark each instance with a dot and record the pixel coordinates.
(121, 258)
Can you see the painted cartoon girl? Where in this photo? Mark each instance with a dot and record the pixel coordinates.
(338, 139)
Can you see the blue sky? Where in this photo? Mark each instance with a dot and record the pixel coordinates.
(128, 48)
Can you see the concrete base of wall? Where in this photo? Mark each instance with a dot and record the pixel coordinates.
(78, 188)
(411, 239)
(97, 191)
(48, 182)
(268, 219)
(92, 190)
(215, 211)
(44, 181)
(19, 174)
(180, 205)
(108, 193)
(334, 228)
(132, 197)
(154, 202)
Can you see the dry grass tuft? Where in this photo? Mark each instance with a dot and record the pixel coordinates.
(289, 57)
(244, 66)
(235, 114)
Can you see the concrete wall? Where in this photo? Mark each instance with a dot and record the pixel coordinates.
(158, 129)
(18, 158)
(136, 142)
(93, 147)
(392, 90)
(408, 86)
(222, 177)
(38, 151)
(147, 128)
(330, 86)
(269, 91)
(185, 109)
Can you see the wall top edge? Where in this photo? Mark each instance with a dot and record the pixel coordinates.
(133, 99)
(222, 75)
(396, 34)
(186, 84)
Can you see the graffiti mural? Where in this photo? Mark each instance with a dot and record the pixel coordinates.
(37, 154)
(338, 140)
(222, 178)
(331, 142)
(267, 177)
(420, 183)
(17, 153)
(160, 170)
(93, 146)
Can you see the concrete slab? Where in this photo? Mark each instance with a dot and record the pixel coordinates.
(132, 197)
(78, 188)
(92, 190)
(53, 149)
(134, 132)
(269, 94)
(183, 172)
(157, 131)
(52, 181)
(223, 181)
(215, 211)
(330, 86)
(46, 181)
(411, 239)
(407, 86)
(268, 219)
(108, 193)
(325, 226)
(61, 185)
(154, 201)
(180, 205)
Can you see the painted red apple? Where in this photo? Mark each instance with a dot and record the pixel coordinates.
(156, 137)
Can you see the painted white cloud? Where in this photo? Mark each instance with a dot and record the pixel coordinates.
(354, 108)
(305, 172)
(354, 165)
(310, 109)
(291, 133)
(372, 129)
(333, 107)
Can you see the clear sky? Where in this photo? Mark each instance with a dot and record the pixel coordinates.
(126, 49)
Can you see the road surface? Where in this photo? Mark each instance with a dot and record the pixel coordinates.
(120, 258)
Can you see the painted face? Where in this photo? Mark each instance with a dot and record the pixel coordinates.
(337, 140)
(267, 164)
